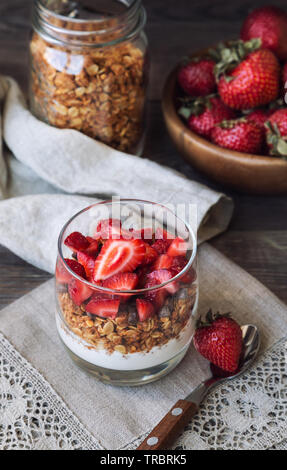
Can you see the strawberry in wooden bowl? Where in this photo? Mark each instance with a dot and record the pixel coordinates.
(126, 295)
(218, 116)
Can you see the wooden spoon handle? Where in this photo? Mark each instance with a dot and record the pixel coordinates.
(170, 427)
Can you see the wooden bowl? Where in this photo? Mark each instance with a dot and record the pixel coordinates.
(248, 173)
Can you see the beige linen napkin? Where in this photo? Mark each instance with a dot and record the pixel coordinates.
(67, 161)
(117, 416)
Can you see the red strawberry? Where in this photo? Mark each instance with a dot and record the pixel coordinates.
(145, 309)
(119, 256)
(108, 229)
(197, 77)
(77, 242)
(277, 133)
(142, 272)
(239, 135)
(163, 262)
(106, 308)
(161, 234)
(62, 274)
(248, 79)
(78, 291)
(159, 277)
(145, 234)
(284, 79)
(204, 113)
(179, 263)
(178, 247)
(150, 255)
(259, 116)
(88, 262)
(220, 341)
(270, 25)
(157, 297)
(122, 281)
(161, 245)
(93, 247)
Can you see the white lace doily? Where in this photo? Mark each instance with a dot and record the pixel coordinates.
(249, 412)
(32, 415)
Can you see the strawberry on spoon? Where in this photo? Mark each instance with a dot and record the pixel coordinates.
(220, 341)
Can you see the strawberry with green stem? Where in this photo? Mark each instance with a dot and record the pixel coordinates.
(219, 340)
(247, 76)
(203, 114)
(276, 128)
(239, 135)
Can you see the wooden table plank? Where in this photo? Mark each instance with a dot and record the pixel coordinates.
(257, 238)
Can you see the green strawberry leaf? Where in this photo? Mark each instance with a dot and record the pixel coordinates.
(233, 54)
(282, 148)
(185, 112)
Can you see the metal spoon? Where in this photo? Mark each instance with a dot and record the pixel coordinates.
(178, 417)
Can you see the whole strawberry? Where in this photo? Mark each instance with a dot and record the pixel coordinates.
(259, 116)
(270, 25)
(284, 81)
(248, 77)
(204, 113)
(239, 135)
(197, 77)
(277, 133)
(220, 341)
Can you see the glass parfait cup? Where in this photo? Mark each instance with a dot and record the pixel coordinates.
(122, 342)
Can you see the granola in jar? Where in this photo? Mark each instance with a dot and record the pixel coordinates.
(89, 72)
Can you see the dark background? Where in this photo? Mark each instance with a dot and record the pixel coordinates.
(257, 238)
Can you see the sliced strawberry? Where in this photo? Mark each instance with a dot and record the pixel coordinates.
(179, 263)
(93, 247)
(88, 262)
(150, 254)
(142, 272)
(122, 281)
(62, 274)
(178, 247)
(161, 246)
(145, 309)
(161, 276)
(79, 292)
(118, 256)
(161, 234)
(157, 297)
(145, 234)
(77, 242)
(163, 262)
(108, 229)
(106, 308)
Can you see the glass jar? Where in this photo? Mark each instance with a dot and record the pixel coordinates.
(126, 336)
(89, 69)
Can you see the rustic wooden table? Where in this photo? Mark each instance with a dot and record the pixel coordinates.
(257, 237)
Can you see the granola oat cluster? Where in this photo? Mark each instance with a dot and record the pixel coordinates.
(98, 91)
(125, 334)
